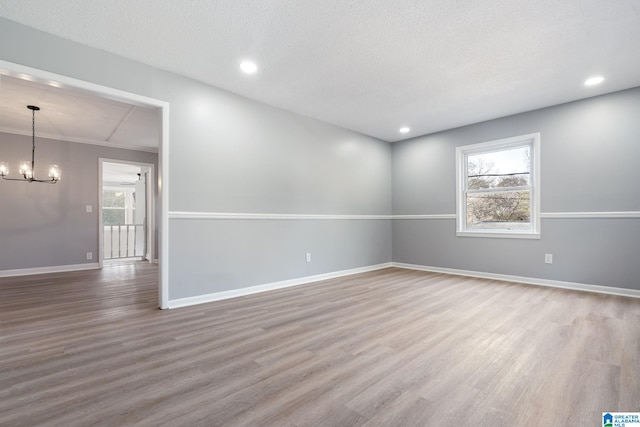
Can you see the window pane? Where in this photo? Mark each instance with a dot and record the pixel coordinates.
(113, 216)
(504, 168)
(499, 210)
(113, 199)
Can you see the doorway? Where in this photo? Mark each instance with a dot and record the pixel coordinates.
(126, 211)
(45, 77)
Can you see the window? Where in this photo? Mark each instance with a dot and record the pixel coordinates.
(117, 206)
(498, 188)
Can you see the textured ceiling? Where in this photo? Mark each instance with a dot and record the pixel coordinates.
(374, 65)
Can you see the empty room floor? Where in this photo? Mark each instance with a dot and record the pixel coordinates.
(387, 348)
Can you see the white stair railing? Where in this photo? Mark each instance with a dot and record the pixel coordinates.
(124, 241)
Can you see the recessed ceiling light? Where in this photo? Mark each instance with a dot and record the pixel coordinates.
(248, 67)
(404, 130)
(594, 81)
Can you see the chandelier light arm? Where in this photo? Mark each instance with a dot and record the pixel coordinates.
(45, 181)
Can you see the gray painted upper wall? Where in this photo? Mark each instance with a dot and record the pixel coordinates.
(230, 154)
(589, 157)
(43, 225)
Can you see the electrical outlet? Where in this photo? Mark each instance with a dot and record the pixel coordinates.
(308, 258)
(548, 258)
(89, 255)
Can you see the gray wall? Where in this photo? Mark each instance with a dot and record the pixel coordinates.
(228, 154)
(231, 254)
(232, 155)
(44, 225)
(589, 163)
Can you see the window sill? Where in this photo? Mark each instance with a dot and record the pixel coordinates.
(499, 235)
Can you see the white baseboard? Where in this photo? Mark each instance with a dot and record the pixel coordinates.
(234, 293)
(634, 293)
(52, 269)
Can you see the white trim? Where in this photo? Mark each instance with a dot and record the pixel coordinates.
(547, 215)
(99, 209)
(428, 216)
(590, 215)
(498, 235)
(234, 293)
(52, 269)
(80, 140)
(634, 293)
(163, 192)
(236, 215)
(46, 77)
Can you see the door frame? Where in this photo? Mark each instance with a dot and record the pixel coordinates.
(150, 213)
(53, 79)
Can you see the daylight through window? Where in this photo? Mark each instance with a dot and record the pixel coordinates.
(118, 206)
(498, 188)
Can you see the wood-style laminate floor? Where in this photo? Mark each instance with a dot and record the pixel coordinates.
(387, 348)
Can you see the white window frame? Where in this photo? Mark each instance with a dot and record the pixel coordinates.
(462, 153)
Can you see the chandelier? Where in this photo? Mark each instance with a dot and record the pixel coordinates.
(25, 169)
